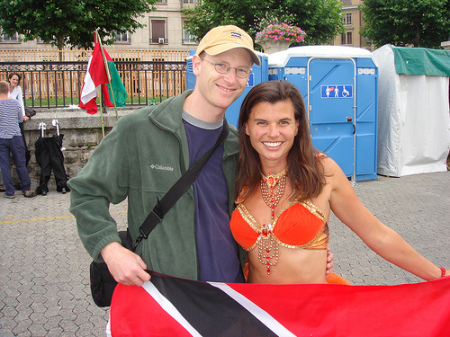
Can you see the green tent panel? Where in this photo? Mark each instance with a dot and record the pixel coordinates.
(421, 61)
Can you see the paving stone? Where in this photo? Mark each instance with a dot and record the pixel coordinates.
(5, 332)
(22, 327)
(56, 332)
(37, 329)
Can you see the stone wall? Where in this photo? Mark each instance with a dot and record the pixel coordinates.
(82, 134)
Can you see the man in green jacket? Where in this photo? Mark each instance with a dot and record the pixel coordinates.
(148, 151)
(145, 154)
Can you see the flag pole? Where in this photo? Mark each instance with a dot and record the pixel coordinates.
(99, 88)
(105, 62)
(101, 109)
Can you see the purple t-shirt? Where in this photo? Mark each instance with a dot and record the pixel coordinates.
(216, 248)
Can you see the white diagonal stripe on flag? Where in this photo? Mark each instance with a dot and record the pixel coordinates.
(89, 90)
(169, 307)
(263, 316)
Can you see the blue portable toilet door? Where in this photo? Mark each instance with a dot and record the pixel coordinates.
(331, 101)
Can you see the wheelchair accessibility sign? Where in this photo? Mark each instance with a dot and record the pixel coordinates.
(336, 91)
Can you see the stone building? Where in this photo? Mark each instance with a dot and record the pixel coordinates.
(164, 30)
(352, 19)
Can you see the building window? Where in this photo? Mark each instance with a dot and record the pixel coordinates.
(161, 1)
(122, 37)
(8, 39)
(347, 19)
(349, 38)
(158, 31)
(188, 38)
(189, 1)
(346, 2)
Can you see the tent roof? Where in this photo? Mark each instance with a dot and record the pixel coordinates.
(421, 61)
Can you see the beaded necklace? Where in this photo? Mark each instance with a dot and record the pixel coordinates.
(272, 189)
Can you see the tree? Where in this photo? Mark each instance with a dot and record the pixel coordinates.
(422, 23)
(320, 19)
(71, 22)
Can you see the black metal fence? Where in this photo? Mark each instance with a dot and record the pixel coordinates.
(59, 84)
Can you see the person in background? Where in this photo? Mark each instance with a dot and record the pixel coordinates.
(15, 92)
(11, 142)
(286, 191)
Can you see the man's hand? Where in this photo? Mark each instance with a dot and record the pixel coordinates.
(330, 258)
(125, 266)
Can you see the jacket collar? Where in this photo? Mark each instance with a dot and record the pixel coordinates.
(168, 116)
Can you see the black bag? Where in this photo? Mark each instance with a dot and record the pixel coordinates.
(29, 112)
(102, 282)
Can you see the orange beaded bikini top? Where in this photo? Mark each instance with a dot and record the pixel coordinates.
(300, 225)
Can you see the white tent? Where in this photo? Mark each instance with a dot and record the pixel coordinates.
(413, 110)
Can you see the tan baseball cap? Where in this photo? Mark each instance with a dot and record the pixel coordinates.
(224, 38)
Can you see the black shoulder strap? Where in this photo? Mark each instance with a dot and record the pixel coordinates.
(177, 190)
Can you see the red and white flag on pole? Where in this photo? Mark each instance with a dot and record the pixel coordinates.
(168, 306)
(96, 75)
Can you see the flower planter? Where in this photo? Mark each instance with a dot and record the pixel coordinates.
(271, 46)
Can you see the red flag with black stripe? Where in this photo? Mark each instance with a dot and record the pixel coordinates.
(168, 306)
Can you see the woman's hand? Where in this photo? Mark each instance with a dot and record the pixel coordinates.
(330, 258)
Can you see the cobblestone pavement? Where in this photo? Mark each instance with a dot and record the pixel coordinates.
(44, 286)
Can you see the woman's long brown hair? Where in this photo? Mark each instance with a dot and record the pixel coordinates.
(304, 169)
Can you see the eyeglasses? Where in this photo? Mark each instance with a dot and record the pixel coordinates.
(223, 67)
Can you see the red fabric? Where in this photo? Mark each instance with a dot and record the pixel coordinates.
(420, 309)
(97, 68)
(90, 106)
(144, 318)
(96, 75)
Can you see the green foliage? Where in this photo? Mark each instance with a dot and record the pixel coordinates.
(422, 23)
(71, 22)
(320, 19)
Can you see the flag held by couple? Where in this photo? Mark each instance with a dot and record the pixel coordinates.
(168, 306)
(98, 75)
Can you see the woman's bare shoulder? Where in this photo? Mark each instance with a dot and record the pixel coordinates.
(329, 165)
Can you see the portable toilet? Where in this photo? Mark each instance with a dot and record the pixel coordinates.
(190, 77)
(259, 74)
(340, 89)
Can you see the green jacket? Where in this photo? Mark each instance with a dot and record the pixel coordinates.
(141, 158)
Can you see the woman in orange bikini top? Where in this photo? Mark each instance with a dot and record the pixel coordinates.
(286, 190)
(298, 225)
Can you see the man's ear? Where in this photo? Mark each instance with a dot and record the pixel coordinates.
(196, 63)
